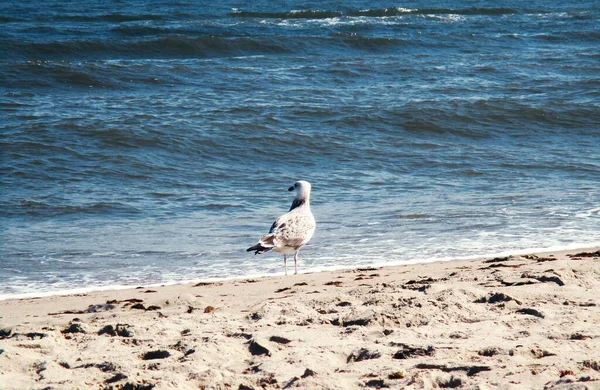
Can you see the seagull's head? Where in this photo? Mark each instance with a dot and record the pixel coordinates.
(302, 189)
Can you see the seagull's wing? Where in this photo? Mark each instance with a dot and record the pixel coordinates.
(292, 230)
(278, 224)
(269, 241)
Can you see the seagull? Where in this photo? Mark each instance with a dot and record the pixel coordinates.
(292, 230)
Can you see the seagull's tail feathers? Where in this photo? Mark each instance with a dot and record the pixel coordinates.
(265, 244)
(258, 249)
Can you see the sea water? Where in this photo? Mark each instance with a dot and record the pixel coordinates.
(149, 142)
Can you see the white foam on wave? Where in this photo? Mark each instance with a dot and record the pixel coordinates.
(588, 213)
(336, 21)
(329, 264)
(50, 293)
(446, 18)
(532, 250)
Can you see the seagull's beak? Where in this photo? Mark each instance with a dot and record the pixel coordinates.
(291, 188)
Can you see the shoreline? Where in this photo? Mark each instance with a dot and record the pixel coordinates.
(398, 263)
(521, 321)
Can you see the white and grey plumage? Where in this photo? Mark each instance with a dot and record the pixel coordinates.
(292, 230)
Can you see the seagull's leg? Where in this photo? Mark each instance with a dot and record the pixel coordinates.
(296, 263)
(285, 263)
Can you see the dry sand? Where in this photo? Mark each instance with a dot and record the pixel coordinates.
(523, 322)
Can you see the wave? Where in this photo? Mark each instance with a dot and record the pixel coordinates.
(50, 57)
(434, 11)
(295, 14)
(9, 19)
(508, 111)
(382, 12)
(589, 213)
(32, 207)
(368, 43)
(139, 30)
(52, 74)
(113, 17)
(166, 46)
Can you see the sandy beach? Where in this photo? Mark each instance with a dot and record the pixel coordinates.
(519, 322)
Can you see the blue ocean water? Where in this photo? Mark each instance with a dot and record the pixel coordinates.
(148, 142)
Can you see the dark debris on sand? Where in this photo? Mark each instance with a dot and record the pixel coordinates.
(585, 254)
(133, 386)
(257, 349)
(489, 352)
(356, 322)
(593, 364)
(5, 333)
(158, 354)
(115, 378)
(407, 351)
(498, 259)
(91, 309)
(362, 354)
(120, 330)
(308, 372)
(539, 259)
(502, 265)
(73, 328)
(579, 336)
(531, 312)
(240, 335)
(450, 383)
(420, 285)
(497, 298)
(376, 383)
(104, 367)
(471, 370)
(280, 340)
(543, 278)
(541, 353)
